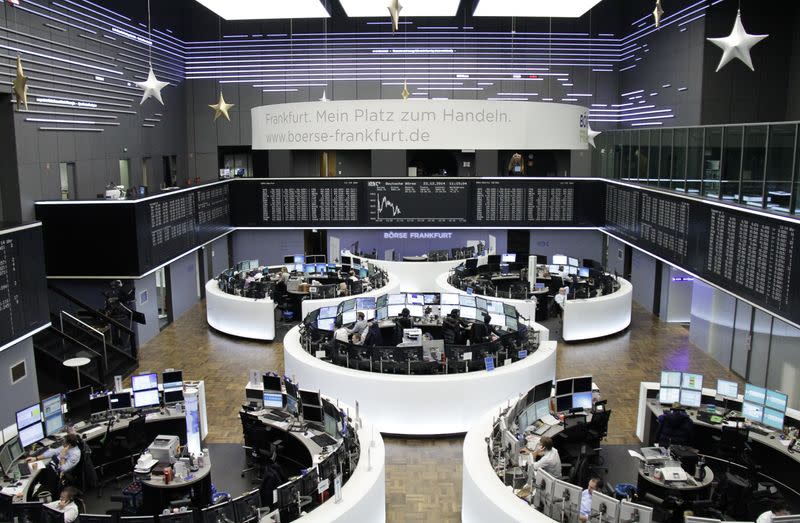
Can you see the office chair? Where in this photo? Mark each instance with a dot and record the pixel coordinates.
(131, 444)
(598, 428)
(257, 445)
(732, 442)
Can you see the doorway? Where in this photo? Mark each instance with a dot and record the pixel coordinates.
(146, 167)
(66, 171)
(315, 241)
(125, 173)
(164, 298)
(519, 242)
(170, 170)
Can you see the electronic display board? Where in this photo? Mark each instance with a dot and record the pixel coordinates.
(435, 201)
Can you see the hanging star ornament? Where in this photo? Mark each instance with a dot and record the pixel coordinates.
(591, 135)
(737, 44)
(152, 87)
(20, 86)
(658, 12)
(221, 108)
(394, 11)
(405, 94)
(324, 96)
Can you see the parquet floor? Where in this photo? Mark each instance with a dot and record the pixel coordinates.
(423, 476)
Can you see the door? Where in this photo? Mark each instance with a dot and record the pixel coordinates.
(742, 338)
(66, 171)
(315, 241)
(519, 242)
(124, 172)
(163, 296)
(146, 167)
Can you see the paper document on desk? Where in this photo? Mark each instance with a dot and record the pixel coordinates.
(550, 420)
(11, 491)
(636, 455)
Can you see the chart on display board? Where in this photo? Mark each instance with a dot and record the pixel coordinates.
(417, 202)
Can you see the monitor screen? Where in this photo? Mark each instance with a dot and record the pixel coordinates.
(328, 312)
(53, 424)
(417, 311)
(145, 398)
(172, 379)
(321, 268)
(572, 271)
(497, 319)
(326, 324)
(776, 400)
(752, 411)
(690, 398)
(494, 307)
(144, 381)
(77, 401)
(509, 310)
(449, 299)
(727, 389)
(582, 384)
(395, 310)
(670, 378)
(754, 394)
(31, 434)
(511, 323)
(564, 387)
(28, 416)
(431, 299)
(503, 270)
(470, 313)
(572, 261)
(309, 268)
(669, 395)
(381, 301)
(583, 272)
(331, 426)
(382, 313)
(542, 408)
(173, 396)
(508, 258)
(6, 460)
(291, 406)
(542, 391)
(554, 269)
(120, 400)
(480, 302)
(309, 397)
(98, 404)
(299, 258)
(466, 301)
(773, 418)
(563, 403)
(291, 389)
(582, 400)
(415, 299)
(349, 316)
(692, 381)
(298, 267)
(312, 413)
(397, 299)
(559, 259)
(365, 303)
(272, 382)
(538, 285)
(51, 406)
(273, 400)
(348, 305)
(288, 259)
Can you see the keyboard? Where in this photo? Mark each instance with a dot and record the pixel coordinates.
(759, 430)
(87, 428)
(323, 440)
(273, 417)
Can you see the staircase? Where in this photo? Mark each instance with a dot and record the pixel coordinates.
(78, 330)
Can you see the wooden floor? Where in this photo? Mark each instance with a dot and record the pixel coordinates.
(423, 476)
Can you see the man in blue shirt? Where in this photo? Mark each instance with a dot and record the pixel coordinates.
(586, 498)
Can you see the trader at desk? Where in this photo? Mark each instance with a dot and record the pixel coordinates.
(403, 321)
(561, 299)
(674, 427)
(66, 504)
(65, 458)
(545, 457)
(361, 324)
(452, 325)
(482, 332)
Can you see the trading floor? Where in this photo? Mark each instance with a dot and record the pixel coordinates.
(423, 476)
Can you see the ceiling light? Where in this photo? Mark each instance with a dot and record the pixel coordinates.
(377, 8)
(534, 8)
(266, 9)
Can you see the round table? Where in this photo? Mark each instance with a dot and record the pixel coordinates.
(77, 363)
(692, 489)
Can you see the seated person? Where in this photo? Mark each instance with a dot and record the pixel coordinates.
(451, 327)
(482, 332)
(545, 457)
(403, 321)
(341, 333)
(674, 427)
(356, 339)
(353, 276)
(586, 498)
(66, 504)
(560, 299)
(360, 326)
(65, 458)
(778, 508)
(374, 336)
(342, 291)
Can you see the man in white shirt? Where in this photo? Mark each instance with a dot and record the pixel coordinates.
(360, 326)
(341, 333)
(545, 457)
(586, 498)
(779, 508)
(66, 504)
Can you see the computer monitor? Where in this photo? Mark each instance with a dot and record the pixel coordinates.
(542, 408)
(120, 400)
(773, 418)
(466, 300)
(272, 382)
(272, 399)
(566, 501)
(509, 310)
(542, 391)
(606, 507)
(582, 384)
(312, 413)
(727, 389)
(415, 299)
(448, 299)
(298, 258)
(629, 511)
(144, 381)
(221, 512)
(582, 400)
(564, 387)
(776, 400)
(77, 401)
(173, 396)
(349, 316)
(246, 506)
(692, 381)
(309, 397)
(172, 379)
(381, 313)
(145, 398)
(559, 259)
(690, 398)
(365, 303)
(752, 411)
(397, 299)
(27, 512)
(53, 416)
(417, 311)
(544, 483)
(288, 259)
(292, 406)
(291, 388)
(670, 378)
(309, 268)
(52, 515)
(5, 460)
(538, 285)
(512, 323)
(99, 404)
(286, 494)
(754, 394)
(573, 271)
(31, 434)
(28, 416)
(498, 320)
(573, 262)
(431, 299)
(794, 518)
(508, 258)
(328, 312)
(563, 403)
(494, 307)
(326, 324)
(395, 310)
(555, 269)
(15, 449)
(669, 395)
(331, 424)
(583, 272)
(309, 483)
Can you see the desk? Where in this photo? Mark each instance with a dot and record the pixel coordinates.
(420, 404)
(308, 306)
(586, 319)
(689, 490)
(239, 316)
(422, 258)
(157, 495)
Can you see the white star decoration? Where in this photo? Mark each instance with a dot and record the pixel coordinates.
(221, 108)
(152, 87)
(658, 12)
(394, 11)
(591, 135)
(324, 96)
(737, 44)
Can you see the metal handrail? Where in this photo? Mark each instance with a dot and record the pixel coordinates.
(61, 315)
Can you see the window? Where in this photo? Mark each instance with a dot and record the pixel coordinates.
(18, 372)
(665, 172)
(712, 154)
(694, 160)
(753, 158)
(124, 173)
(779, 166)
(731, 163)
(66, 173)
(678, 181)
